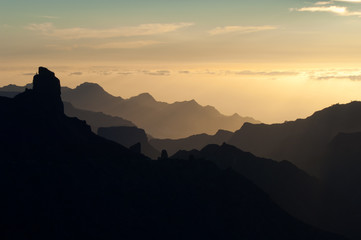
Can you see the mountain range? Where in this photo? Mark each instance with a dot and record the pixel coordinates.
(192, 142)
(159, 119)
(304, 141)
(95, 119)
(128, 137)
(61, 181)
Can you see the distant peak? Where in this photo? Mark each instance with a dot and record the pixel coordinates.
(91, 88)
(90, 85)
(222, 132)
(145, 96)
(192, 102)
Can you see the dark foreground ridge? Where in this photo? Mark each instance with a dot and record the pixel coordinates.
(61, 181)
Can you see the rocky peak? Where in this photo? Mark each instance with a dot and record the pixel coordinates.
(45, 95)
(46, 83)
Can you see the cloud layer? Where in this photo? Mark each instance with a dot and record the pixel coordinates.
(49, 29)
(327, 6)
(240, 29)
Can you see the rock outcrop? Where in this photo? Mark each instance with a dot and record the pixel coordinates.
(45, 95)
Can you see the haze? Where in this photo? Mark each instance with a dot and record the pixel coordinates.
(272, 60)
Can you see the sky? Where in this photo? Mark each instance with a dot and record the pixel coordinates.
(274, 60)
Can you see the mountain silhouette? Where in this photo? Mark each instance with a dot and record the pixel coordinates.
(332, 204)
(193, 142)
(159, 119)
(95, 119)
(341, 171)
(291, 188)
(302, 141)
(129, 136)
(59, 180)
(342, 162)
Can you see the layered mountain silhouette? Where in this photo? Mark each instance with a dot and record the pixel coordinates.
(129, 136)
(291, 188)
(95, 119)
(61, 181)
(302, 141)
(342, 171)
(193, 142)
(342, 162)
(159, 119)
(333, 203)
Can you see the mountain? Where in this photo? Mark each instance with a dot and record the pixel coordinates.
(15, 88)
(193, 142)
(302, 141)
(129, 136)
(342, 172)
(61, 181)
(159, 119)
(342, 161)
(342, 168)
(291, 188)
(331, 205)
(95, 119)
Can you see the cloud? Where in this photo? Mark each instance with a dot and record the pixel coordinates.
(240, 29)
(120, 45)
(332, 9)
(124, 73)
(62, 47)
(273, 73)
(157, 73)
(323, 3)
(110, 45)
(331, 2)
(348, 77)
(349, 1)
(28, 74)
(76, 74)
(184, 72)
(49, 29)
(321, 7)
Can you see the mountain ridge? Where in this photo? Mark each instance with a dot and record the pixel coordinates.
(301, 141)
(175, 120)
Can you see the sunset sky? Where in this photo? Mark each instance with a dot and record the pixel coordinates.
(272, 60)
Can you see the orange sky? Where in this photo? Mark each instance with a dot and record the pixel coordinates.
(271, 60)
